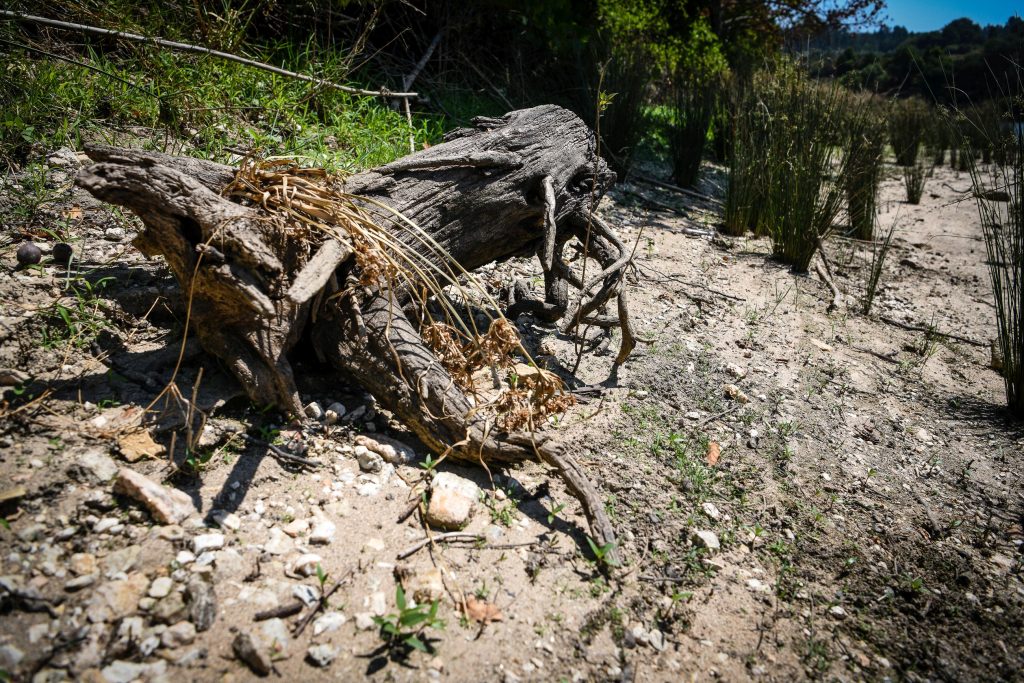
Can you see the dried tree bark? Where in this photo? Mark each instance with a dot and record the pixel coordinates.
(520, 184)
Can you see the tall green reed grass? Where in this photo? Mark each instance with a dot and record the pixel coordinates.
(999, 192)
(908, 121)
(865, 150)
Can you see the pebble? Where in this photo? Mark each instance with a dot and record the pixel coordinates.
(707, 539)
(276, 633)
(250, 651)
(314, 411)
(82, 564)
(323, 531)
(10, 657)
(204, 542)
(378, 603)
(202, 603)
(321, 655)
(279, 542)
(364, 621)
(296, 527)
(180, 634)
(452, 501)
(114, 234)
(736, 371)
(185, 557)
(120, 671)
(307, 594)
(33, 532)
(735, 393)
(374, 545)
(711, 510)
(226, 520)
(329, 622)
(757, 586)
(837, 611)
(168, 506)
(92, 466)
(305, 565)
(368, 460)
(161, 587)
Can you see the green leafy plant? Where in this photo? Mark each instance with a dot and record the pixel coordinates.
(602, 553)
(404, 631)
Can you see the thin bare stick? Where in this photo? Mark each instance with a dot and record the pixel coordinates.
(198, 49)
(547, 258)
(445, 537)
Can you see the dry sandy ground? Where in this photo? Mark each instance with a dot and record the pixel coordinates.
(863, 520)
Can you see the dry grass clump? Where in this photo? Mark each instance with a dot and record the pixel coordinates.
(403, 259)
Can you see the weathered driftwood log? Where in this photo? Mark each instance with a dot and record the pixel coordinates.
(524, 183)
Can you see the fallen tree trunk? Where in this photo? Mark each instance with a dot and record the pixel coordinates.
(258, 280)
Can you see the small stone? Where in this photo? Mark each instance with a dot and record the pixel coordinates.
(321, 655)
(837, 611)
(249, 650)
(707, 539)
(364, 621)
(121, 561)
(278, 544)
(80, 582)
(305, 565)
(374, 545)
(296, 527)
(452, 501)
(168, 506)
(120, 671)
(323, 531)
(334, 412)
(314, 411)
(736, 371)
(180, 634)
(161, 587)
(117, 598)
(711, 510)
(32, 532)
(328, 623)
(368, 460)
(368, 489)
(205, 542)
(735, 393)
(82, 564)
(391, 450)
(425, 585)
(378, 603)
(275, 632)
(656, 639)
(170, 609)
(10, 657)
(185, 557)
(92, 466)
(757, 586)
(114, 234)
(202, 603)
(226, 520)
(307, 594)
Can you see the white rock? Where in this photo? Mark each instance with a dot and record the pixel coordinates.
(275, 633)
(180, 634)
(185, 557)
(374, 545)
(205, 542)
(378, 603)
(278, 543)
(368, 460)
(329, 622)
(711, 510)
(161, 587)
(105, 525)
(757, 586)
(323, 531)
(321, 655)
(296, 527)
(307, 594)
(168, 506)
(452, 501)
(707, 539)
(226, 520)
(364, 621)
(305, 565)
(736, 371)
(837, 611)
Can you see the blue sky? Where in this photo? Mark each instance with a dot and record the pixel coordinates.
(928, 15)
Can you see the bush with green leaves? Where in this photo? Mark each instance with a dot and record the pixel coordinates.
(404, 631)
(908, 121)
